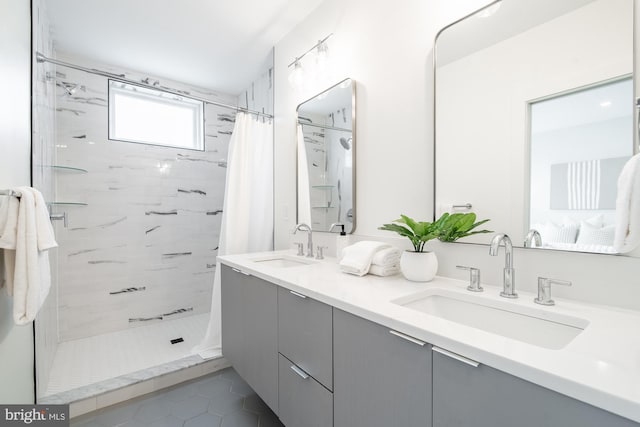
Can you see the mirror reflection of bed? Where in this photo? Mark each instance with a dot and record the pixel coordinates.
(580, 141)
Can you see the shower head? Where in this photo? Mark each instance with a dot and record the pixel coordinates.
(346, 143)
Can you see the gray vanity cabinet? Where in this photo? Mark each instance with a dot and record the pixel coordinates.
(304, 402)
(305, 343)
(480, 396)
(305, 334)
(381, 378)
(249, 331)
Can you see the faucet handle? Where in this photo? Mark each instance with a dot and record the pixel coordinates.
(544, 290)
(300, 248)
(474, 278)
(319, 254)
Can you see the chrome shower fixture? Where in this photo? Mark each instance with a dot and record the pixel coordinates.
(346, 143)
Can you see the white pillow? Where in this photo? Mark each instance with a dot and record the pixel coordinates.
(560, 233)
(595, 221)
(590, 235)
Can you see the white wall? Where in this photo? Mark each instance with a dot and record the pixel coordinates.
(16, 342)
(388, 51)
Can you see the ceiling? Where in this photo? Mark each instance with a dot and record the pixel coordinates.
(215, 44)
(588, 106)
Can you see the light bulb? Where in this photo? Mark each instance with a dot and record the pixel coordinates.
(489, 11)
(322, 57)
(296, 76)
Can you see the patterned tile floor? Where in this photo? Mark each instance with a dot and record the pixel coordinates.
(221, 399)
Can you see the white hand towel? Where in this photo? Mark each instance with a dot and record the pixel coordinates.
(32, 276)
(628, 207)
(386, 257)
(356, 259)
(9, 222)
(8, 236)
(384, 271)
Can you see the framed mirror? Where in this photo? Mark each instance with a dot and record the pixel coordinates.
(326, 158)
(534, 119)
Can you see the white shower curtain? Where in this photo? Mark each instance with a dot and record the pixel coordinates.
(304, 198)
(247, 214)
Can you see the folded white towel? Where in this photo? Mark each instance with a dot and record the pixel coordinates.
(628, 207)
(386, 257)
(384, 271)
(356, 259)
(32, 275)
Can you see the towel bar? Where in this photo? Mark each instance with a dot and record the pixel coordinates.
(60, 217)
(11, 193)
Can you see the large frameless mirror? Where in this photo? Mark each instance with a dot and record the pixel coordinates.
(326, 158)
(534, 119)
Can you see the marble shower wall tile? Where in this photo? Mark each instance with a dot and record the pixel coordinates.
(43, 134)
(151, 219)
(259, 95)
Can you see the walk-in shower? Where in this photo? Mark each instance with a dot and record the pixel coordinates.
(133, 273)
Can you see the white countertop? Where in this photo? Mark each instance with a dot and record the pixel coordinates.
(601, 366)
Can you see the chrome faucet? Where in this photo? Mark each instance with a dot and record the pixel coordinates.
(544, 290)
(533, 236)
(509, 273)
(304, 227)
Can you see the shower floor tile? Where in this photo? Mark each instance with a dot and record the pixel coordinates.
(90, 360)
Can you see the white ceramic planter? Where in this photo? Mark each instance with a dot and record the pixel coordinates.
(418, 266)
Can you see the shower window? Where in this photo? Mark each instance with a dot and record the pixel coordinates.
(150, 116)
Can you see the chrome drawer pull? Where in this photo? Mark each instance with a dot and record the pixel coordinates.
(298, 295)
(407, 337)
(300, 372)
(456, 356)
(240, 271)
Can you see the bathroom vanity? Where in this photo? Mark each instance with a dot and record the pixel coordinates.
(324, 348)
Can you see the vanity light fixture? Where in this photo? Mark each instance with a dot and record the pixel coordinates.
(322, 59)
(322, 55)
(296, 76)
(605, 104)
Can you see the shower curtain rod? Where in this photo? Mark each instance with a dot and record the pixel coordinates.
(324, 127)
(41, 58)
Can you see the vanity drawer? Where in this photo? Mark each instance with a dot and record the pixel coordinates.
(305, 334)
(304, 402)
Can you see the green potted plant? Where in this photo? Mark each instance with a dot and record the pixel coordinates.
(420, 265)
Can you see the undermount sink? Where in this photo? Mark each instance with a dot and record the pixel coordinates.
(283, 261)
(542, 328)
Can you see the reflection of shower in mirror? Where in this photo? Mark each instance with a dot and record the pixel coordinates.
(346, 143)
(326, 126)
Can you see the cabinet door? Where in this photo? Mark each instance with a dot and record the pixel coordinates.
(480, 396)
(380, 378)
(305, 334)
(304, 402)
(249, 331)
